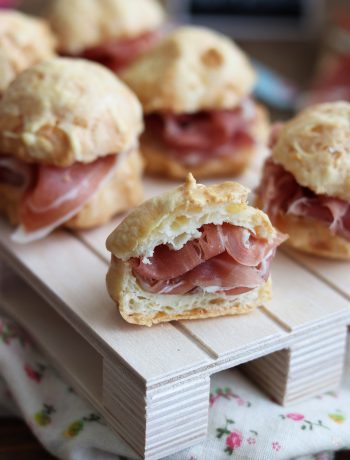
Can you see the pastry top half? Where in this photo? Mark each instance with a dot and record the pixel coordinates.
(315, 147)
(81, 24)
(193, 69)
(24, 40)
(175, 217)
(63, 111)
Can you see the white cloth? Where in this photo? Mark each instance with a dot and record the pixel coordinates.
(243, 422)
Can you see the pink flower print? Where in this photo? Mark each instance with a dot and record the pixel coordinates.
(35, 374)
(234, 440)
(276, 446)
(306, 424)
(32, 373)
(227, 393)
(295, 416)
(251, 441)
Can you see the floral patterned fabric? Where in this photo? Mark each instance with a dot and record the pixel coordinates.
(243, 422)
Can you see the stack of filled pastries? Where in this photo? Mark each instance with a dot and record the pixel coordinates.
(87, 107)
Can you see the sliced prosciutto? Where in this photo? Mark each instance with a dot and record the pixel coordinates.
(118, 54)
(59, 193)
(225, 258)
(228, 275)
(192, 138)
(280, 193)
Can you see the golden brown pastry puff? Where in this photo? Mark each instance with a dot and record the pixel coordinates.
(306, 183)
(195, 88)
(69, 147)
(194, 252)
(111, 32)
(24, 41)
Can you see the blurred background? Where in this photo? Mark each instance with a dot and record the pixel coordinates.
(300, 47)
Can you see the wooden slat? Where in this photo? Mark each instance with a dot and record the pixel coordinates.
(335, 273)
(235, 334)
(299, 298)
(48, 329)
(73, 279)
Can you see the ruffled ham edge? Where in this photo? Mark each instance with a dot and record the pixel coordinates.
(117, 54)
(194, 138)
(22, 177)
(280, 194)
(225, 259)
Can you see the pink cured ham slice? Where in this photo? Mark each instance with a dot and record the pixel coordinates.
(57, 192)
(245, 248)
(118, 54)
(224, 272)
(204, 135)
(204, 130)
(280, 193)
(220, 272)
(189, 256)
(224, 257)
(277, 189)
(239, 242)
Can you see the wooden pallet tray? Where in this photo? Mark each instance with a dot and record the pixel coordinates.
(152, 384)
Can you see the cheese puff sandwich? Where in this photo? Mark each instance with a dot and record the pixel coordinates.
(69, 148)
(194, 252)
(111, 32)
(24, 41)
(195, 88)
(305, 188)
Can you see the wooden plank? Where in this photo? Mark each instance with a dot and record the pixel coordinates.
(73, 279)
(235, 334)
(299, 298)
(333, 272)
(48, 329)
(308, 368)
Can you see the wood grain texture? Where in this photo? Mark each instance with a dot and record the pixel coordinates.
(299, 298)
(333, 272)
